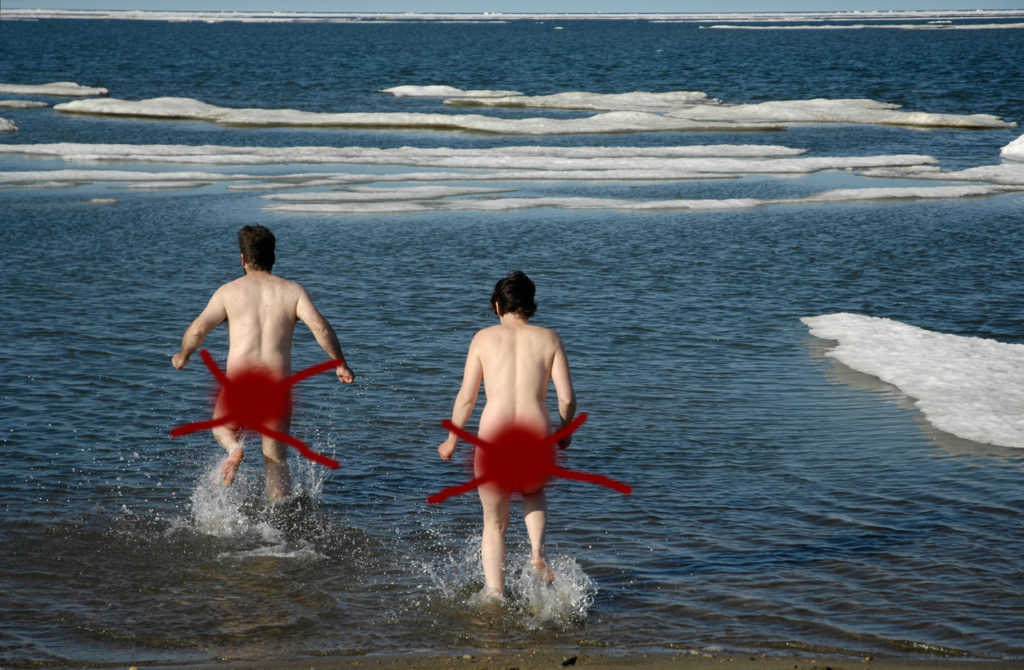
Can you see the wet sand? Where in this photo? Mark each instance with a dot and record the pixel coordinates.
(639, 661)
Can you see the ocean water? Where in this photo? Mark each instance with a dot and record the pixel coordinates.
(783, 501)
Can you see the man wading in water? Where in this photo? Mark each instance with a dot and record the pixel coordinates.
(261, 310)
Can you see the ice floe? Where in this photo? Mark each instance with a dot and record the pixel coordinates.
(609, 122)
(552, 158)
(358, 202)
(439, 91)
(618, 113)
(357, 195)
(443, 178)
(1014, 150)
(634, 101)
(968, 386)
(65, 178)
(22, 104)
(583, 163)
(7, 126)
(1007, 174)
(64, 89)
(696, 107)
(377, 194)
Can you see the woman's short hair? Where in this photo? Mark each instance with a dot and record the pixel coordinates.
(514, 294)
(257, 245)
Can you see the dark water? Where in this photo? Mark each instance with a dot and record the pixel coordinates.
(781, 502)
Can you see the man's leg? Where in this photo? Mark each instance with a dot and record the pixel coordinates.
(535, 513)
(279, 479)
(492, 549)
(227, 437)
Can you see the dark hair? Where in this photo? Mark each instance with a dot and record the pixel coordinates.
(257, 245)
(514, 295)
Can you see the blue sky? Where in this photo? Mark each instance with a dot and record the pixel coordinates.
(608, 6)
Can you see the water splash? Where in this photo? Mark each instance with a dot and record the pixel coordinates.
(563, 602)
(221, 511)
(529, 603)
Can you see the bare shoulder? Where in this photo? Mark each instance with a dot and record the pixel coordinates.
(232, 287)
(485, 336)
(292, 287)
(546, 335)
(281, 285)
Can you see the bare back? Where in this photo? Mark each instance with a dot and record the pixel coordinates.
(517, 362)
(261, 310)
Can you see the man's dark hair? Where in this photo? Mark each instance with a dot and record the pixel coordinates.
(514, 295)
(257, 245)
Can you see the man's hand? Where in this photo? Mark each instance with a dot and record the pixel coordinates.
(179, 360)
(345, 375)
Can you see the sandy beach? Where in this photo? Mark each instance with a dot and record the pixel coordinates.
(691, 660)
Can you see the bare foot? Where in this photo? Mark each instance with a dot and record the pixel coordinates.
(543, 571)
(230, 467)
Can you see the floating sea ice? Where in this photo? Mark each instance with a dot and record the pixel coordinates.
(443, 92)
(636, 101)
(1007, 174)
(376, 194)
(609, 122)
(1014, 150)
(71, 177)
(968, 386)
(823, 110)
(160, 108)
(7, 126)
(57, 88)
(22, 104)
(352, 208)
(697, 107)
(629, 114)
(903, 193)
(164, 185)
(380, 205)
(518, 162)
(608, 158)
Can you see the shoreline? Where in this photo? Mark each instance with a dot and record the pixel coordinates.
(522, 660)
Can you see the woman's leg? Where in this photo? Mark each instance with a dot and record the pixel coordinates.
(495, 504)
(535, 513)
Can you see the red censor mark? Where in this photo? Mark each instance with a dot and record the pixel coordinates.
(254, 399)
(521, 459)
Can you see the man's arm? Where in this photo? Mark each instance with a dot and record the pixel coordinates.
(563, 388)
(211, 317)
(465, 401)
(325, 336)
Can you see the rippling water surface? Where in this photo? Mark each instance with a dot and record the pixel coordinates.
(781, 502)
